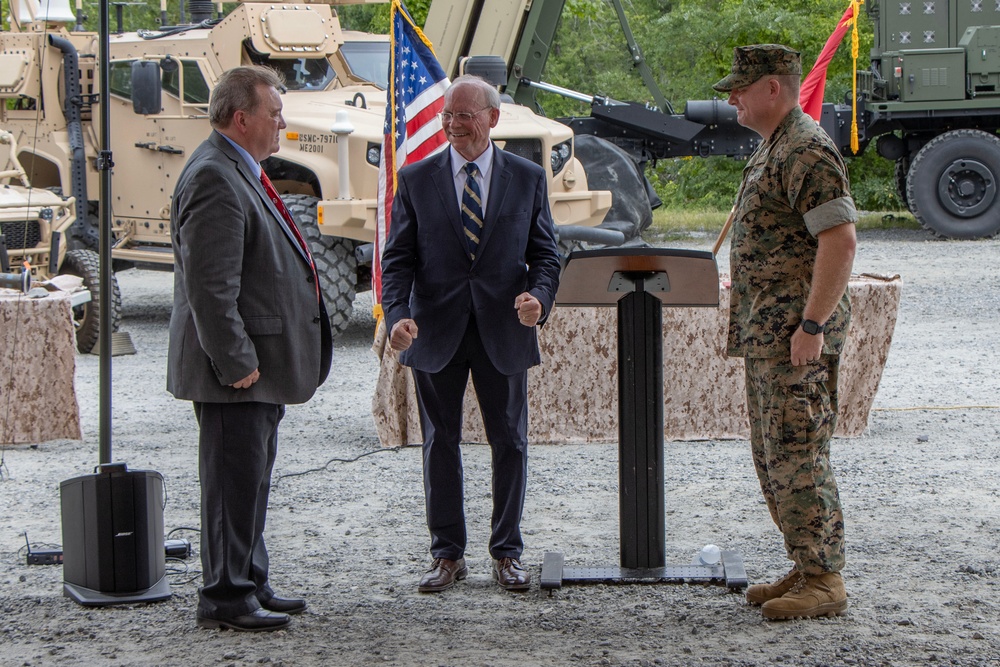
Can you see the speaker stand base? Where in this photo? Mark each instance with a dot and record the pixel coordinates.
(88, 597)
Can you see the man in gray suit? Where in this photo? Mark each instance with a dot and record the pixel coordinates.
(249, 333)
(469, 269)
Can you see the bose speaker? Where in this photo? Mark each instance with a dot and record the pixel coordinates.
(112, 527)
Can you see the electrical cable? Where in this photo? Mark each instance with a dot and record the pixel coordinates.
(339, 460)
(173, 570)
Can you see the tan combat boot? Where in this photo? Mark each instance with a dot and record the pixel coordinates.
(813, 595)
(761, 593)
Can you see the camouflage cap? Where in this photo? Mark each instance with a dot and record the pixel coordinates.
(754, 61)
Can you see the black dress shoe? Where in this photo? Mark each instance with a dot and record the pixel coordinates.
(442, 575)
(259, 620)
(284, 605)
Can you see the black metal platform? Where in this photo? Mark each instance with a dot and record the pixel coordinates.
(730, 572)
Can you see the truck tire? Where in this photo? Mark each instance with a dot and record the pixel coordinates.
(953, 187)
(335, 262)
(609, 167)
(86, 317)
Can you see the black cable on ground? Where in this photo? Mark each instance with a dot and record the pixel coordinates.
(326, 465)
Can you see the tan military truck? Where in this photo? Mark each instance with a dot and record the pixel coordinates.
(160, 82)
(33, 226)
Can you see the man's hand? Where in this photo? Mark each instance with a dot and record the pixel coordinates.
(529, 309)
(402, 334)
(806, 347)
(247, 381)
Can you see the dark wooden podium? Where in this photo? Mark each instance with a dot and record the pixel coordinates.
(640, 282)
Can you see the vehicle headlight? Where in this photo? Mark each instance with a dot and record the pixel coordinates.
(560, 154)
(373, 154)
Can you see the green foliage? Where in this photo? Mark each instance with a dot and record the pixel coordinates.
(873, 183)
(710, 184)
(697, 183)
(365, 18)
(375, 18)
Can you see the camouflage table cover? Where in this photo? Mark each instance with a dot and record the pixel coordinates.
(37, 366)
(573, 395)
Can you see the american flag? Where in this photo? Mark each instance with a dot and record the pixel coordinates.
(412, 126)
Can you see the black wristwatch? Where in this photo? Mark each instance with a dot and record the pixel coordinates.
(813, 328)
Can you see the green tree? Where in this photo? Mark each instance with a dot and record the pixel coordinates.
(375, 18)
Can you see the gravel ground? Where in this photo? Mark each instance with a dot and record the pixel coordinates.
(346, 523)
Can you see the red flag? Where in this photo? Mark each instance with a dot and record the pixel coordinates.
(814, 85)
(412, 126)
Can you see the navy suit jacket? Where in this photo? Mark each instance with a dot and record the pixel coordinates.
(244, 295)
(427, 274)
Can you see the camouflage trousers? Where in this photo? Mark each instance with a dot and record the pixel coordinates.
(793, 413)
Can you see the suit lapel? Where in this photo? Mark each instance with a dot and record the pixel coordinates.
(258, 187)
(499, 186)
(245, 171)
(444, 181)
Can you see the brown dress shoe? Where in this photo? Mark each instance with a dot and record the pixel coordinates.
(443, 574)
(509, 573)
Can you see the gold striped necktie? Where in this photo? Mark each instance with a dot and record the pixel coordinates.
(472, 209)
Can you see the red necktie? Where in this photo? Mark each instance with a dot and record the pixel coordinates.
(280, 205)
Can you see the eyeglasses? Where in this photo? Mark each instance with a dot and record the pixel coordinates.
(464, 116)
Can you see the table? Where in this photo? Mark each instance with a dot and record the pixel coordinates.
(572, 396)
(37, 367)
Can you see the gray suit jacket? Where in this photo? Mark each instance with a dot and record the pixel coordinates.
(244, 295)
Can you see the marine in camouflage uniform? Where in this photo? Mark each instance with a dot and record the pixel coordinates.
(795, 187)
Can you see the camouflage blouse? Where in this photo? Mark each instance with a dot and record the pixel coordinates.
(795, 186)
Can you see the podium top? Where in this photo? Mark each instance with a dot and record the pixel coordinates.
(676, 277)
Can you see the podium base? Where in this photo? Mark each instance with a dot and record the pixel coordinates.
(88, 597)
(730, 571)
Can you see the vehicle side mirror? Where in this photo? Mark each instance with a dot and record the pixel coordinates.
(146, 87)
(491, 68)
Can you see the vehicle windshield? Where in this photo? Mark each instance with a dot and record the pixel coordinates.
(299, 73)
(369, 60)
(304, 73)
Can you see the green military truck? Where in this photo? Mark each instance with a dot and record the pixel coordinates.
(931, 103)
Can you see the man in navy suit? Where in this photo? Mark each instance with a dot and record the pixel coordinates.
(469, 269)
(248, 334)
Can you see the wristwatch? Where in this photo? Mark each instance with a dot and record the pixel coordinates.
(813, 328)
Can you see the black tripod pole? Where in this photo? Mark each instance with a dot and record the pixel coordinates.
(104, 165)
